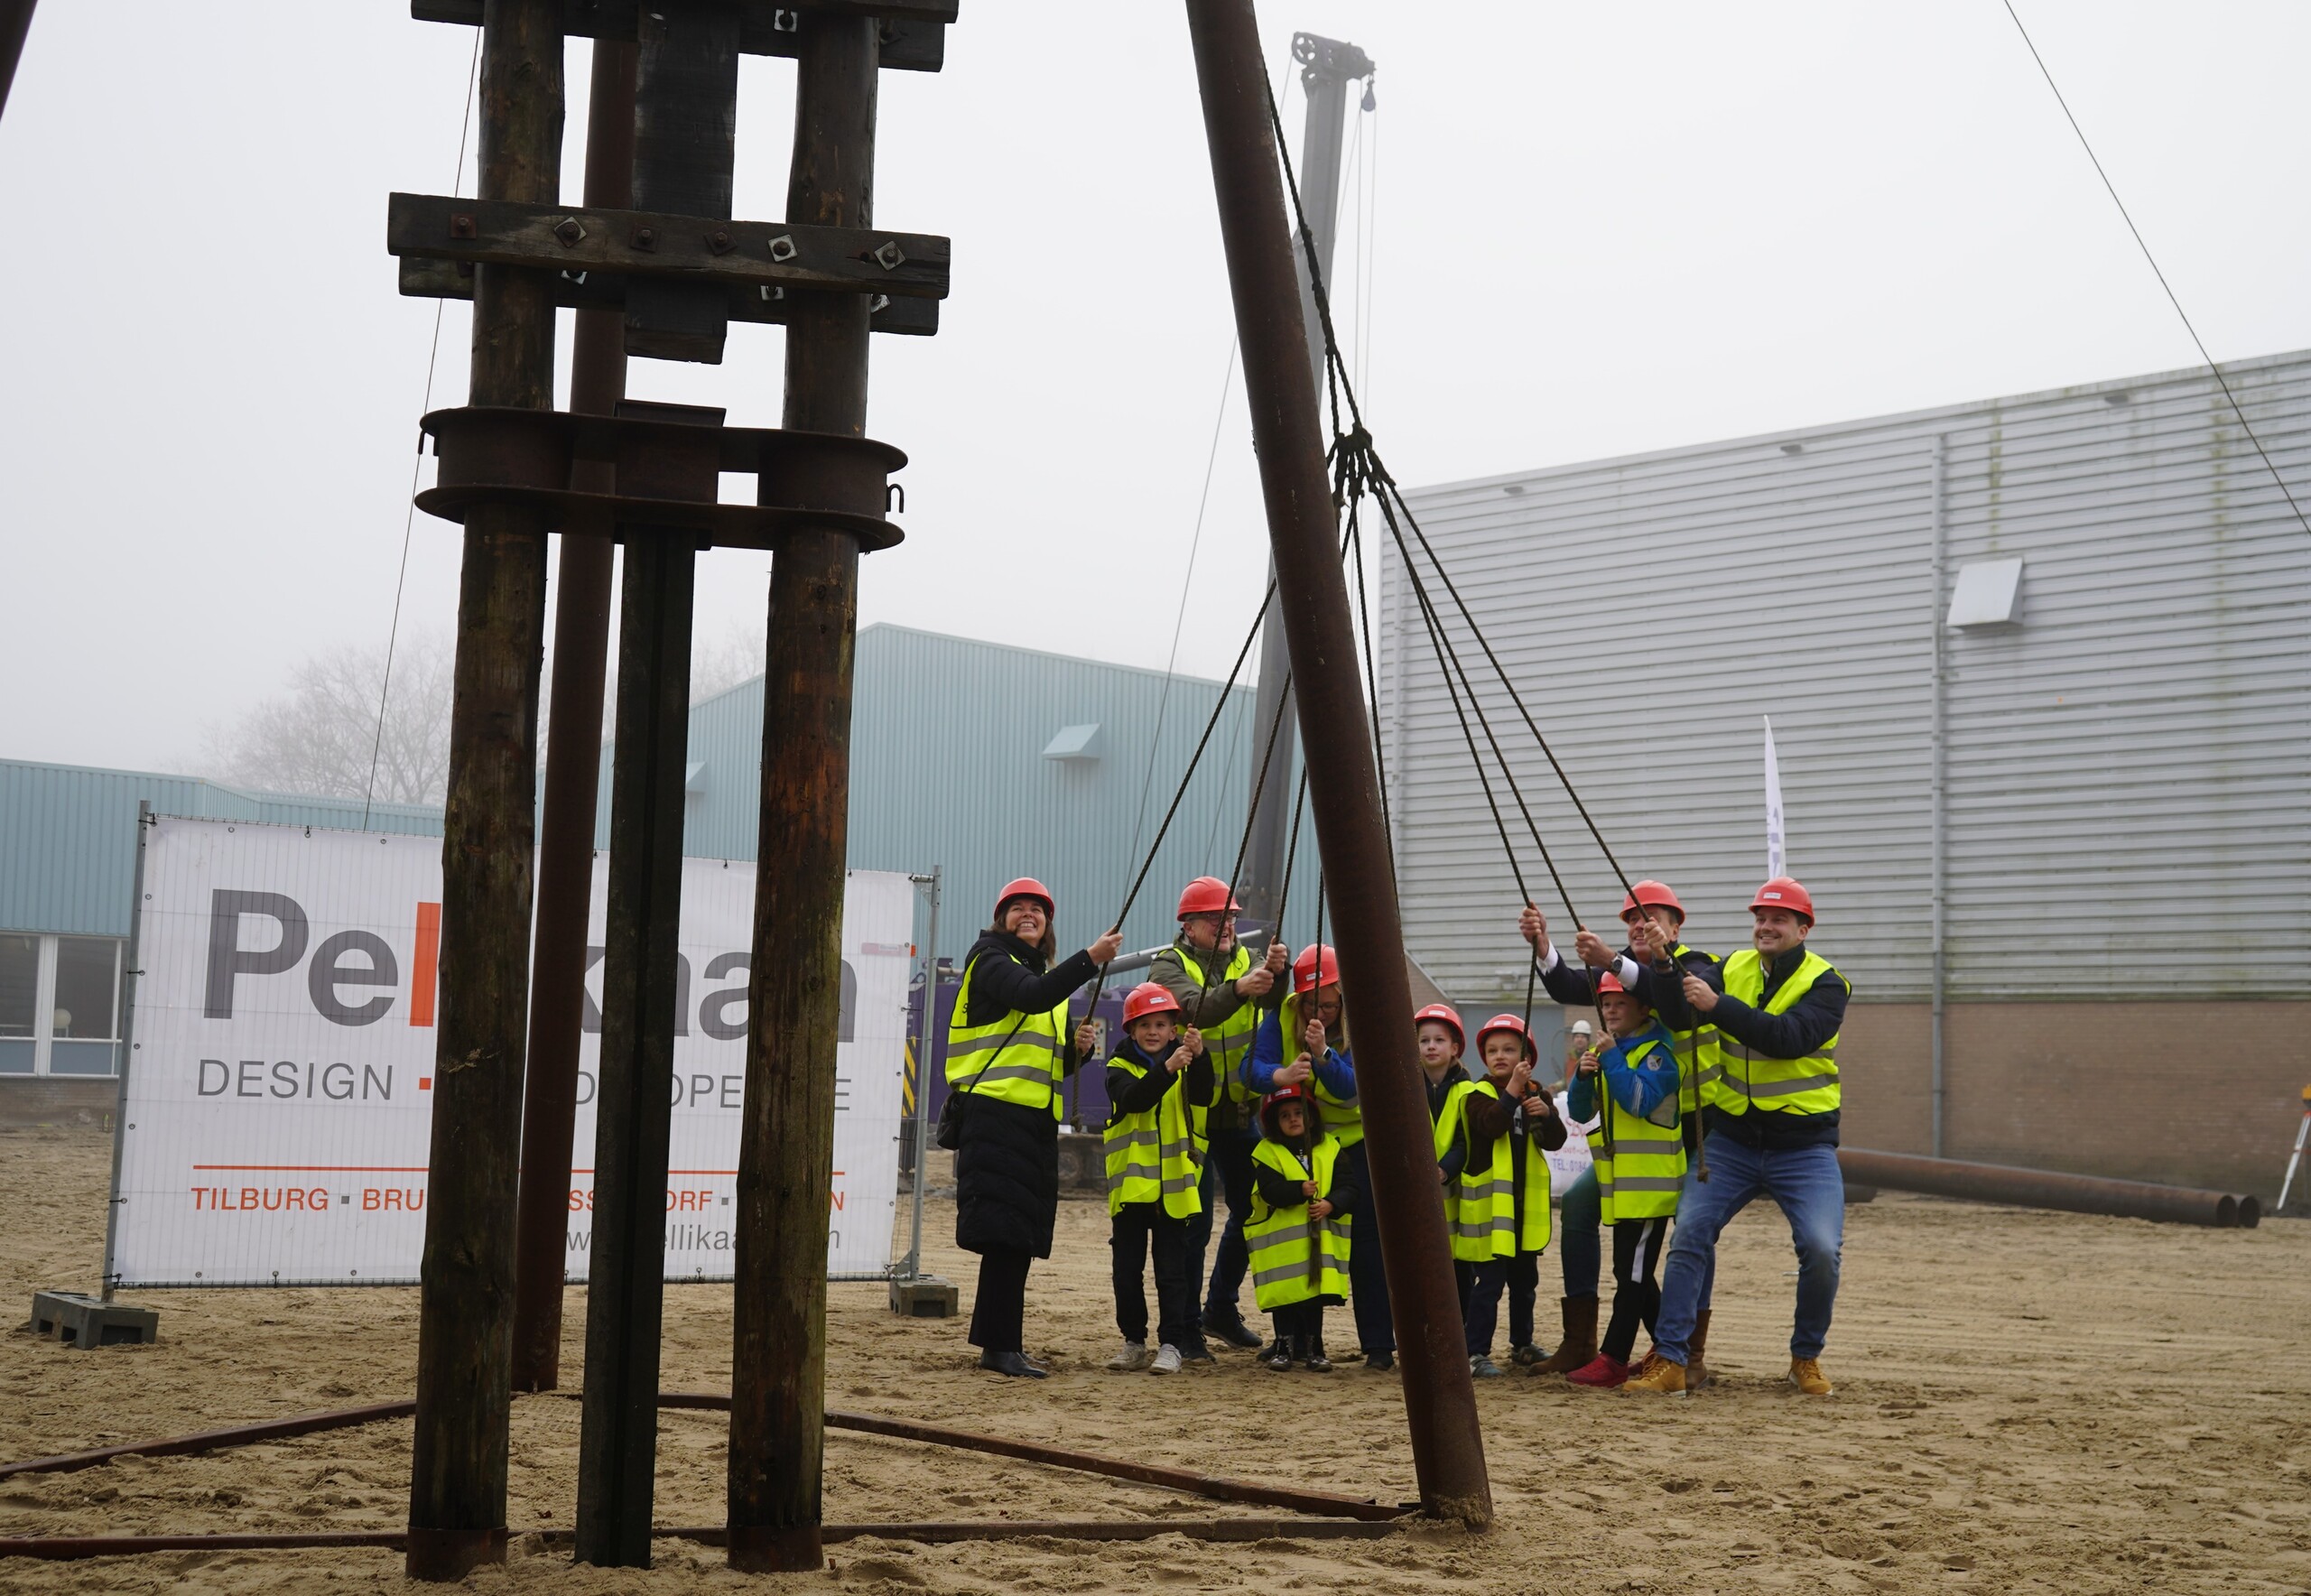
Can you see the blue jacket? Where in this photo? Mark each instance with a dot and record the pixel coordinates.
(1639, 1090)
(1336, 1069)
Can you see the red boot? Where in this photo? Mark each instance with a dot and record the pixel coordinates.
(1605, 1372)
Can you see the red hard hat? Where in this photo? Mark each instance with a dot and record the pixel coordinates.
(1443, 1014)
(1508, 1022)
(1026, 886)
(1782, 893)
(1654, 893)
(1148, 997)
(1277, 1099)
(1208, 894)
(1317, 966)
(1610, 982)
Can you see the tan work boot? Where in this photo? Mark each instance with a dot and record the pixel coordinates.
(1697, 1373)
(1580, 1342)
(1665, 1378)
(1805, 1374)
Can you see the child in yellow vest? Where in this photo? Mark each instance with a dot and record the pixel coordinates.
(1298, 1232)
(1158, 1081)
(1471, 1121)
(1506, 1048)
(1640, 1162)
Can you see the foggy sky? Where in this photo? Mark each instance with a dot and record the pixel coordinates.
(1594, 230)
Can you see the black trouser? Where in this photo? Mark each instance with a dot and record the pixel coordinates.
(1480, 1285)
(1367, 1276)
(1134, 1230)
(1637, 1283)
(999, 1307)
(1302, 1319)
(1524, 1290)
(1227, 1168)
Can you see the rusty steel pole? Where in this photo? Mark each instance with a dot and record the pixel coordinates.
(573, 768)
(1343, 781)
(15, 22)
(457, 1492)
(786, 1148)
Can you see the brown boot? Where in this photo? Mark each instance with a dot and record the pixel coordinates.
(1697, 1373)
(1580, 1342)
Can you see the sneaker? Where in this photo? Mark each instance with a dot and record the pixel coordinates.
(1603, 1372)
(1805, 1374)
(1380, 1362)
(1167, 1360)
(1665, 1378)
(1483, 1367)
(1133, 1358)
(1230, 1329)
(1525, 1356)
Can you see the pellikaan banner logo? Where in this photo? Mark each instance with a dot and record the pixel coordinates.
(279, 1106)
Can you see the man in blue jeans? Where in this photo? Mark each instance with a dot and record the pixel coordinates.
(1770, 1107)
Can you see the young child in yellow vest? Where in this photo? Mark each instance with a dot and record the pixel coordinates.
(1158, 1081)
(1299, 1229)
(1471, 1121)
(1506, 1048)
(1640, 1162)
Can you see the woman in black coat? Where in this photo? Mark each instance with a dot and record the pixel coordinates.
(1006, 1163)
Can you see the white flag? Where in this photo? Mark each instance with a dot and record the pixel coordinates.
(1777, 849)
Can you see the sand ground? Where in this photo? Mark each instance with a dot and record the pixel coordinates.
(2027, 1401)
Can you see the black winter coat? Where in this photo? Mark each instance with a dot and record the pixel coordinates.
(1007, 1165)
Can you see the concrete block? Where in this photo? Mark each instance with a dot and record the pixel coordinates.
(79, 1319)
(926, 1297)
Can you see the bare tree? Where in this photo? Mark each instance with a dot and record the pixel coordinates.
(727, 660)
(319, 738)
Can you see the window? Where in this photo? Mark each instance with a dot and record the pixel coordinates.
(18, 1001)
(60, 1005)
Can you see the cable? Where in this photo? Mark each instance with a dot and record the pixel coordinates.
(1187, 582)
(2171, 299)
(409, 517)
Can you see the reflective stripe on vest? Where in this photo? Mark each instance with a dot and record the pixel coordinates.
(1533, 1195)
(1154, 1156)
(1742, 1078)
(1294, 1259)
(1640, 1177)
(1025, 1069)
(1341, 1115)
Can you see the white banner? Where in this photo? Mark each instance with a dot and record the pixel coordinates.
(279, 1100)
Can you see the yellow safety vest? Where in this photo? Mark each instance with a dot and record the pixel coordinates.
(1341, 1115)
(1481, 1210)
(1228, 1041)
(1640, 1177)
(1025, 1069)
(1533, 1228)
(1155, 1154)
(1295, 1259)
(1697, 1059)
(1746, 1080)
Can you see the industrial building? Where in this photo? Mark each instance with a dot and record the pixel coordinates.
(2039, 674)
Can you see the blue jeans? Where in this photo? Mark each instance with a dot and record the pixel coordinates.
(1805, 1183)
(1580, 1252)
(1229, 1168)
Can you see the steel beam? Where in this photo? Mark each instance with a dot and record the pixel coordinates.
(581, 629)
(786, 1148)
(457, 1502)
(1343, 781)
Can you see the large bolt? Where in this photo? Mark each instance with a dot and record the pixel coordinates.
(461, 226)
(645, 237)
(719, 241)
(568, 231)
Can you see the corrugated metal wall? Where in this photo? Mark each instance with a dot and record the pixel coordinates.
(68, 836)
(2127, 768)
(948, 768)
